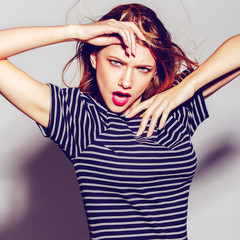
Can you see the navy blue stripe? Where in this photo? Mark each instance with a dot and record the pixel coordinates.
(132, 187)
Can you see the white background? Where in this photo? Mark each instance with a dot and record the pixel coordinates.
(39, 196)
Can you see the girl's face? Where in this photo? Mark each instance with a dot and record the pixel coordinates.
(122, 79)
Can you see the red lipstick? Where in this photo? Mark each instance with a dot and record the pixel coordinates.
(120, 98)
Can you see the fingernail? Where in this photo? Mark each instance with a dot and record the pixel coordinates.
(149, 134)
(127, 112)
(133, 52)
(128, 115)
(160, 127)
(129, 51)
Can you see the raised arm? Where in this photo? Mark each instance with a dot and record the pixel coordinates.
(33, 97)
(28, 95)
(218, 70)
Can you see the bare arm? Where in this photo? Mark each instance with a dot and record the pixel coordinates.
(218, 70)
(17, 40)
(218, 83)
(28, 95)
(33, 97)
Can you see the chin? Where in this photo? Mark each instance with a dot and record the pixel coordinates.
(117, 109)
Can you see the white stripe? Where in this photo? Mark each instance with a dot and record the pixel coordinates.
(142, 193)
(117, 169)
(158, 181)
(137, 222)
(132, 188)
(116, 144)
(141, 229)
(146, 147)
(136, 199)
(136, 210)
(131, 176)
(137, 215)
(96, 154)
(137, 235)
(159, 204)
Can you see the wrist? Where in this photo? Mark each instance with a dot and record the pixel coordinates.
(75, 32)
(189, 85)
(67, 33)
(193, 81)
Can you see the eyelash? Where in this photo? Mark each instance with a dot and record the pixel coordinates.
(141, 69)
(144, 69)
(115, 63)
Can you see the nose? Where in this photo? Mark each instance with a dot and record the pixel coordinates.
(126, 79)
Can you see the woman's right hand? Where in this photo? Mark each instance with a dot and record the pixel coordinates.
(33, 97)
(109, 32)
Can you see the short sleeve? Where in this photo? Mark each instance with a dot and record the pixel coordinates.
(68, 120)
(197, 111)
(194, 111)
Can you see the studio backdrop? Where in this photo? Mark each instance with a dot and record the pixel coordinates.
(39, 194)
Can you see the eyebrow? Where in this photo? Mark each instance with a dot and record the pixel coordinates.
(139, 65)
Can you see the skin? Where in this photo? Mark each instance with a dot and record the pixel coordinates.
(118, 71)
(33, 97)
(218, 70)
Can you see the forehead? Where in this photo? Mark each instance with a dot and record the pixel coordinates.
(143, 54)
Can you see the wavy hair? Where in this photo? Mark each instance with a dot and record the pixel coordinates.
(169, 56)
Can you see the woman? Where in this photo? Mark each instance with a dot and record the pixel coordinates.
(134, 182)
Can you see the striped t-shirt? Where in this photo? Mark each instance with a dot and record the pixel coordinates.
(133, 187)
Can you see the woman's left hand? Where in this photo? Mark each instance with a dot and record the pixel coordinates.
(160, 105)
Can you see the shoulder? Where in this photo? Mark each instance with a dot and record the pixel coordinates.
(180, 77)
(72, 100)
(70, 94)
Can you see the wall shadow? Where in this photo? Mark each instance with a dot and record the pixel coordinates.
(55, 209)
(219, 151)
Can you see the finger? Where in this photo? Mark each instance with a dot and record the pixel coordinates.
(163, 119)
(124, 36)
(134, 105)
(134, 111)
(145, 119)
(153, 124)
(143, 123)
(139, 108)
(119, 28)
(136, 30)
(108, 40)
(127, 39)
(127, 31)
(154, 112)
(133, 43)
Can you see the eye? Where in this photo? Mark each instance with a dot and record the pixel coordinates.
(115, 63)
(144, 69)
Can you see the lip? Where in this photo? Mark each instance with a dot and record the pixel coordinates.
(120, 98)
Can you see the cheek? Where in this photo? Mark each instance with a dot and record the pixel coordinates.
(101, 76)
(104, 74)
(143, 85)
